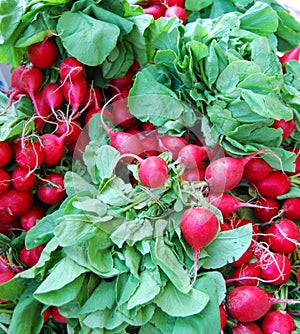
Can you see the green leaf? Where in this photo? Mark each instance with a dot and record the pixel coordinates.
(99, 37)
(195, 5)
(77, 185)
(106, 160)
(227, 247)
(179, 304)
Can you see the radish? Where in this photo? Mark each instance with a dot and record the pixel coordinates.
(176, 11)
(16, 84)
(147, 126)
(51, 189)
(245, 258)
(57, 316)
(22, 179)
(93, 98)
(54, 148)
(42, 111)
(30, 257)
(4, 264)
(32, 79)
(122, 116)
(238, 222)
(297, 161)
(246, 274)
(287, 127)
(125, 81)
(172, 144)
(256, 169)
(5, 153)
(247, 303)
(268, 209)
(278, 321)
(246, 328)
(274, 184)
(71, 69)
(91, 112)
(4, 181)
(225, 173)
(156, 11)
(15, 203)
(192, 156)
(195, 174)
(292, 54)
(179, 3)
(223, 316)
(31, 155)
(291, 208)
(282, 236)
(69, 131)
(227, 203)
(43, 54)
(276, 268)
(28, 219)
(199, 226)
(150, 146)
(53, 96)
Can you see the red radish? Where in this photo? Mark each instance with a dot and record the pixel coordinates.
(57, 316)
(223, 316)
(153, 172)
(150, 146)
(276, 268)
(227, 203)
(267, 209)
(179, 3)
(298, 275)
(22, 179)
(122, 116)
(54, 148)
(30, 257)
(5, 277)
(225, 173)
(51, 189)
(199, 226)
(16, 84)
(4, 181)
(238, 222)
(192, 156)
(247, 303)
(28, 219)
(124, 81)
(71, 69)
(74, 92)
(91, 112)
(292, 54)
(297, 161)
(92, 98)
(256, 169)
(30, 156)
(194, 175)
(32, 79)
(176, 11)
(5, 153)
(15, 203)
(46, 314)
(135, 66)
(246, 328)
(278, 321)
(246, 274)
(245, 258)
(282, 236)
(287, 127)
(291, 208)
(43, 54)
(172, 144)
(4, 264)
(42, 110)
(274, 184)
(69, 131)
(53, 95)
(156, 11)
(9, 224)
(147, 126)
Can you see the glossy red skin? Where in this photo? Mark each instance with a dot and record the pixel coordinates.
(246, 328)
(278, 321)
(270, 210)
(176, 11)
(22, 179)
(53, 147)
(156, 11)
(125, 81)
(247, 303)
(32, 79)
(247, 270)
(256, 169)
(15, 203)
(4, 181)
(223, 316)
(5, 153)
(287, 127)
(195, 174)
(245, 258)
(28, 220)
(276, 269)
(150, 146)
(291, 208)
(274, 184)
(46, 314)
(42, 111)
(292, 54)
(30, 257)
(93, 98)
(122, 116)
(57, 316)
(297, 161)
(51, 189)
(192, 156)
(73, 131)
(43, 54)
(74, 92)
(282, 236)
(153, 172)
(71, 68)
(53, 95)
(31, 156)
(172, 144)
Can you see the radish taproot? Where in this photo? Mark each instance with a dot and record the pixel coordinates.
(22, 179)
(267, 209)
(246, 328)
(4, 181)
(278, 321)
(192, 156)
(153, 172)
(5, 153)
(291, 208)
(199, 227)
(30, 155)
(274, 184)
(51, 189)
(43, 54)
(256, 169)
(71, 69)
(53, 147)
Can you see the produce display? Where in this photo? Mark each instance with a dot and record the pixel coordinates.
(150, 167)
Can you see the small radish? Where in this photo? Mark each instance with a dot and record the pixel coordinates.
(4, 181)
(30, 257)
(276, 268)
(292, 54)
(192, 156)
(54, 148)
(29, 219)
(246, 274)
(122, 116)
(246, 328)
(247, 303)
(156, 11)
(15, 203)
(267, 209)
(57, 316)
(153, 171)
(199, 226)
(256, 169)
(53, 96)
(179, 3)
(16, 84)
(71, 69)
(282, 236)
(194, 175)
(42, 111)
(147, 127)
(22, 180)
(150, 146)
(223, 316)
(125, 81)
(51, 189)
(278, 321)
(32, 79)
(287, 127)
(172, 144)
(46, 314)
(274, 184)
(43, 54)
(225, 173)
(69, 131)
(176, 11)
(93, 98)
(5, 153)
(291, 208)
(30, 156)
